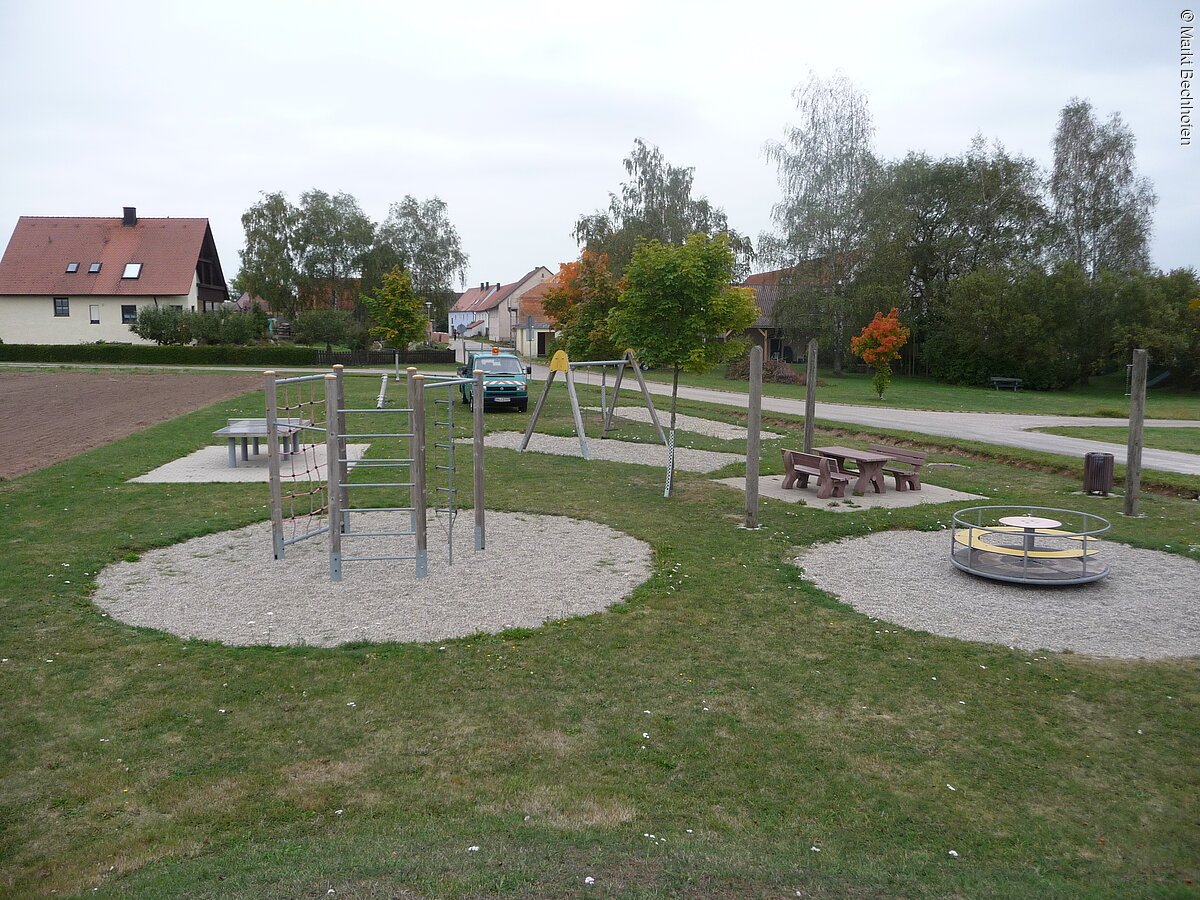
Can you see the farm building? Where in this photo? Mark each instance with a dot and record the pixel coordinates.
(76, 280)
(534, 329)
(490, 309)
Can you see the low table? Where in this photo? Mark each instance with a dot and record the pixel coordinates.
(256, 429)
(870, 466)
(1030, 525)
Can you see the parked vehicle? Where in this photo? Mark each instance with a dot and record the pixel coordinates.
(505, 379)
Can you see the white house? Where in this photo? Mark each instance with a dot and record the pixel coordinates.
(489, 310)
(67, 280)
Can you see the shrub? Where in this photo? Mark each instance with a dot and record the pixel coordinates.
(775, 371)
(162, 324)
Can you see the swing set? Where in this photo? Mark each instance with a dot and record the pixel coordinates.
(560, 363)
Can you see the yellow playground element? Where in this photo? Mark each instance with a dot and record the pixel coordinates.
(976, 539)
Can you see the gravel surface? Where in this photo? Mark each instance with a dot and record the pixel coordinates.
(225, 587)
(686, 459)
(1148, 606)
(211, 464)
(693, 424)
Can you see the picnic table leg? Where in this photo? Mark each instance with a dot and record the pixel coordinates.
(246, 449)
(877, 477)
(232, 442)
(296, 441)
(256, 446)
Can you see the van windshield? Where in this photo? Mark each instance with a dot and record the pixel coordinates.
(499, 365)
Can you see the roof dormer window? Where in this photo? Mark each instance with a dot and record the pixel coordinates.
(72, 268)
(94, 268)
(132, 270)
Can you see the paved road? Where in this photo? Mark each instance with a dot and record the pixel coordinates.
(1005, 429)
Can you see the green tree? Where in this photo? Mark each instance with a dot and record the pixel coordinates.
(269, 268)
(655, 204)
(161, 324)
(678, 308)
(422, 239)
(579, 303)
(397, 312)
(331, 238)
(825, 165)
(323, 326)
(1103, 209)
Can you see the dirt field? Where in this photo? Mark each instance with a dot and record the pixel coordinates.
(52, 416)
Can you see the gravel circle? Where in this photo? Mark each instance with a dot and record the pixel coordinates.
(1147, 608)
(226, 587)
(686, 459)
(691, 424)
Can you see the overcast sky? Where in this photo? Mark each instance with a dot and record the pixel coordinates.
(518, 114)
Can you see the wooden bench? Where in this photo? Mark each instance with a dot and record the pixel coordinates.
(799, 467)
(1003, 381)
(907, 468)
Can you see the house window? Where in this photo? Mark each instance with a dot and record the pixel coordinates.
(94, 314)
(132, 270)
(94, 268)
(62, 306)
(72, 268)
(128, 314)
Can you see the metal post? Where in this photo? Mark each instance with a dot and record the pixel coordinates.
(637, 371)
(412, 430)
(810, 394)
(418, 475)
(754, 436)
(604, 401)
(1137, 418)
(344, 504)
(333, 478)
(616, 392)
(477, 448)
(273, 464)
(397, 365)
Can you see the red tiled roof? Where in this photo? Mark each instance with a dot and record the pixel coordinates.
(42, 246)
(491, 296)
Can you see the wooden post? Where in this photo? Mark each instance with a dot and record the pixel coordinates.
(810, 394)
(418, 473)
(1137, 418)
(583, 444)
(273, 451)
(477, 445)
(637, 371)
(333, 479)
(754, 436)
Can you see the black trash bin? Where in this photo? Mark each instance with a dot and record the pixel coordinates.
(1098, 473)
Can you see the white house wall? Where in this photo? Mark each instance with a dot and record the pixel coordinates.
(31, 320)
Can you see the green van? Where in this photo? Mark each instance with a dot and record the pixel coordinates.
(505, 380)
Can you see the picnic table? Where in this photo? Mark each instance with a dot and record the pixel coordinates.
(1003, 381)
(870, 466)
(247, 430)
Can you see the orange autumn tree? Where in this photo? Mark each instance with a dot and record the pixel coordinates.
(879, 345)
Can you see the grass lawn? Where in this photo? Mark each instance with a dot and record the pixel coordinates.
(779, 720)
(1186, 440)
(1105, 396)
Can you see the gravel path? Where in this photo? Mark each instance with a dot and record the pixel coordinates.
(225, 587)
(693, 424)
(1148, 606)
(686, 459)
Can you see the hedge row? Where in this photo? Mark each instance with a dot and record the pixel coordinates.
(147, 354)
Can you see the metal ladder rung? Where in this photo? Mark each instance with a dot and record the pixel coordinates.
(347, 559)
(358, 534)
(375, 409)
(384, 434)
(366, 461)
(367, 509)
(377, 484)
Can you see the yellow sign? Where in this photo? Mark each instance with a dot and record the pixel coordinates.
(559, 362)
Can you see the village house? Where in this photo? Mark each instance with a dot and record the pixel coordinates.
(76, 280)
(492, 310)
(534, 329)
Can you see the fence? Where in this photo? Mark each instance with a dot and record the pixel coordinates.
(381, 357)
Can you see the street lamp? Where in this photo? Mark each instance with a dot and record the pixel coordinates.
(429, 315)
(514, 316)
